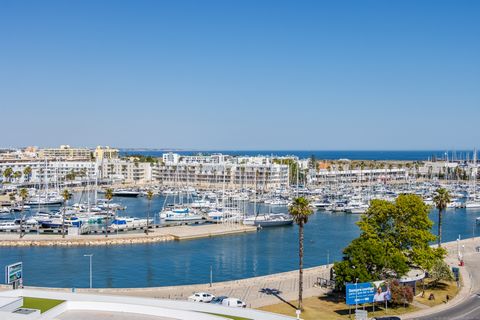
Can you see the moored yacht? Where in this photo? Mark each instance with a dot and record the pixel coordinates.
(269, 220)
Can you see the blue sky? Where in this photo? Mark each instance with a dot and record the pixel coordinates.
(242, 74)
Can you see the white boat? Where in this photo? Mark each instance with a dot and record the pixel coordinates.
(126, 193)
(128, 223)
(269, 220)
(472, 204)
(9, 225)
(201, 204)
(180, 215)
(45, 201)
(172, 216)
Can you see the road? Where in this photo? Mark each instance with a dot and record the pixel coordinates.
(469, 309)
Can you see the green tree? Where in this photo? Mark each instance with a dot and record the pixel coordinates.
(300, 210)
(401, 294)
(17, 175)
(441, 200)
(23, 193)
(27, 172)
(440, 271)
(7, 173)
(66, 195)
(394, 236)
(109, 197)
(149, 198)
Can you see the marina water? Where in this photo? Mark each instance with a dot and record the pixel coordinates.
(267, 251)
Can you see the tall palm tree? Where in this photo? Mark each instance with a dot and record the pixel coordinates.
(441, 200)
(17, 175)
(23, 193)
(109, 197)
(66, 195)
(27, 172)
(7, 173)
(300, 210)
(149, 198)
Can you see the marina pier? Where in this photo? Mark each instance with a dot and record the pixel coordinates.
(184, 232)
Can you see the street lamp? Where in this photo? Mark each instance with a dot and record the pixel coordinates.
(356, 294)
(90, 256)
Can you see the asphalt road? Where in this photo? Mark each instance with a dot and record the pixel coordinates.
(470, 308)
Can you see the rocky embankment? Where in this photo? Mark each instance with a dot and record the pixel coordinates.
(84, 241)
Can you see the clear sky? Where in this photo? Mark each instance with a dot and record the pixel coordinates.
(241, 74)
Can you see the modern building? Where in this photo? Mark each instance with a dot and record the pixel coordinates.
(220, 171)
(101, 153)
(65, 152)
(126, 170)
(324, 176)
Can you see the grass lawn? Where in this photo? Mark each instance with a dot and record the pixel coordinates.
(440, 292)
(328, 308)
(40, 304)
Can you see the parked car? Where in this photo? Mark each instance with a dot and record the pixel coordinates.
(201, 297)
(233, 302)
(218, 300)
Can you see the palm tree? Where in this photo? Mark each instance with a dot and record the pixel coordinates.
(108, 196)
(300, 209)
(17, 175)
(66, 196)
(7, 173)
(27, 172)
(149, 198)
(441, 200)
(23, 195)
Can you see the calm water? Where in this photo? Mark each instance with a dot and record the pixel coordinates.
(175, 263)
(328, 155)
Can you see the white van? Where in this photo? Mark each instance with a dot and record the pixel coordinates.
(233, 302)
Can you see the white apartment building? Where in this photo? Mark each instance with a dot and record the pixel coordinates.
(44, 170)
(367, 175)
(125, 170)
(221, 171)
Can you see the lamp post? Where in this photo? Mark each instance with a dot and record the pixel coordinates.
(356, 294)
(90, 256)
(211, 275)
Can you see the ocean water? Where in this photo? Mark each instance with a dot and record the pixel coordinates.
(267, 251)
(328, 155)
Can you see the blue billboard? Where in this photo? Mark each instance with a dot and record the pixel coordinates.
(367, 292)
(358, 293)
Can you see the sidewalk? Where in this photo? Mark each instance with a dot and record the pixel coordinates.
(466, 288)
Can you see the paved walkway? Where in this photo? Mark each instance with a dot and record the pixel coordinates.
(248, 290)
(103, 315)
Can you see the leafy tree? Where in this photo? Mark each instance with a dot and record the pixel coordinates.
(400, 294)
(441, 200)
(300, 210)
(394, 236)
(440, 271)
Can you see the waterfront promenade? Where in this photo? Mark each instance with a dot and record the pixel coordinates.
(178, 233)
(248, 290)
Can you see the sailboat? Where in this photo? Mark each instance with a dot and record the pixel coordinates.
(474, 202)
